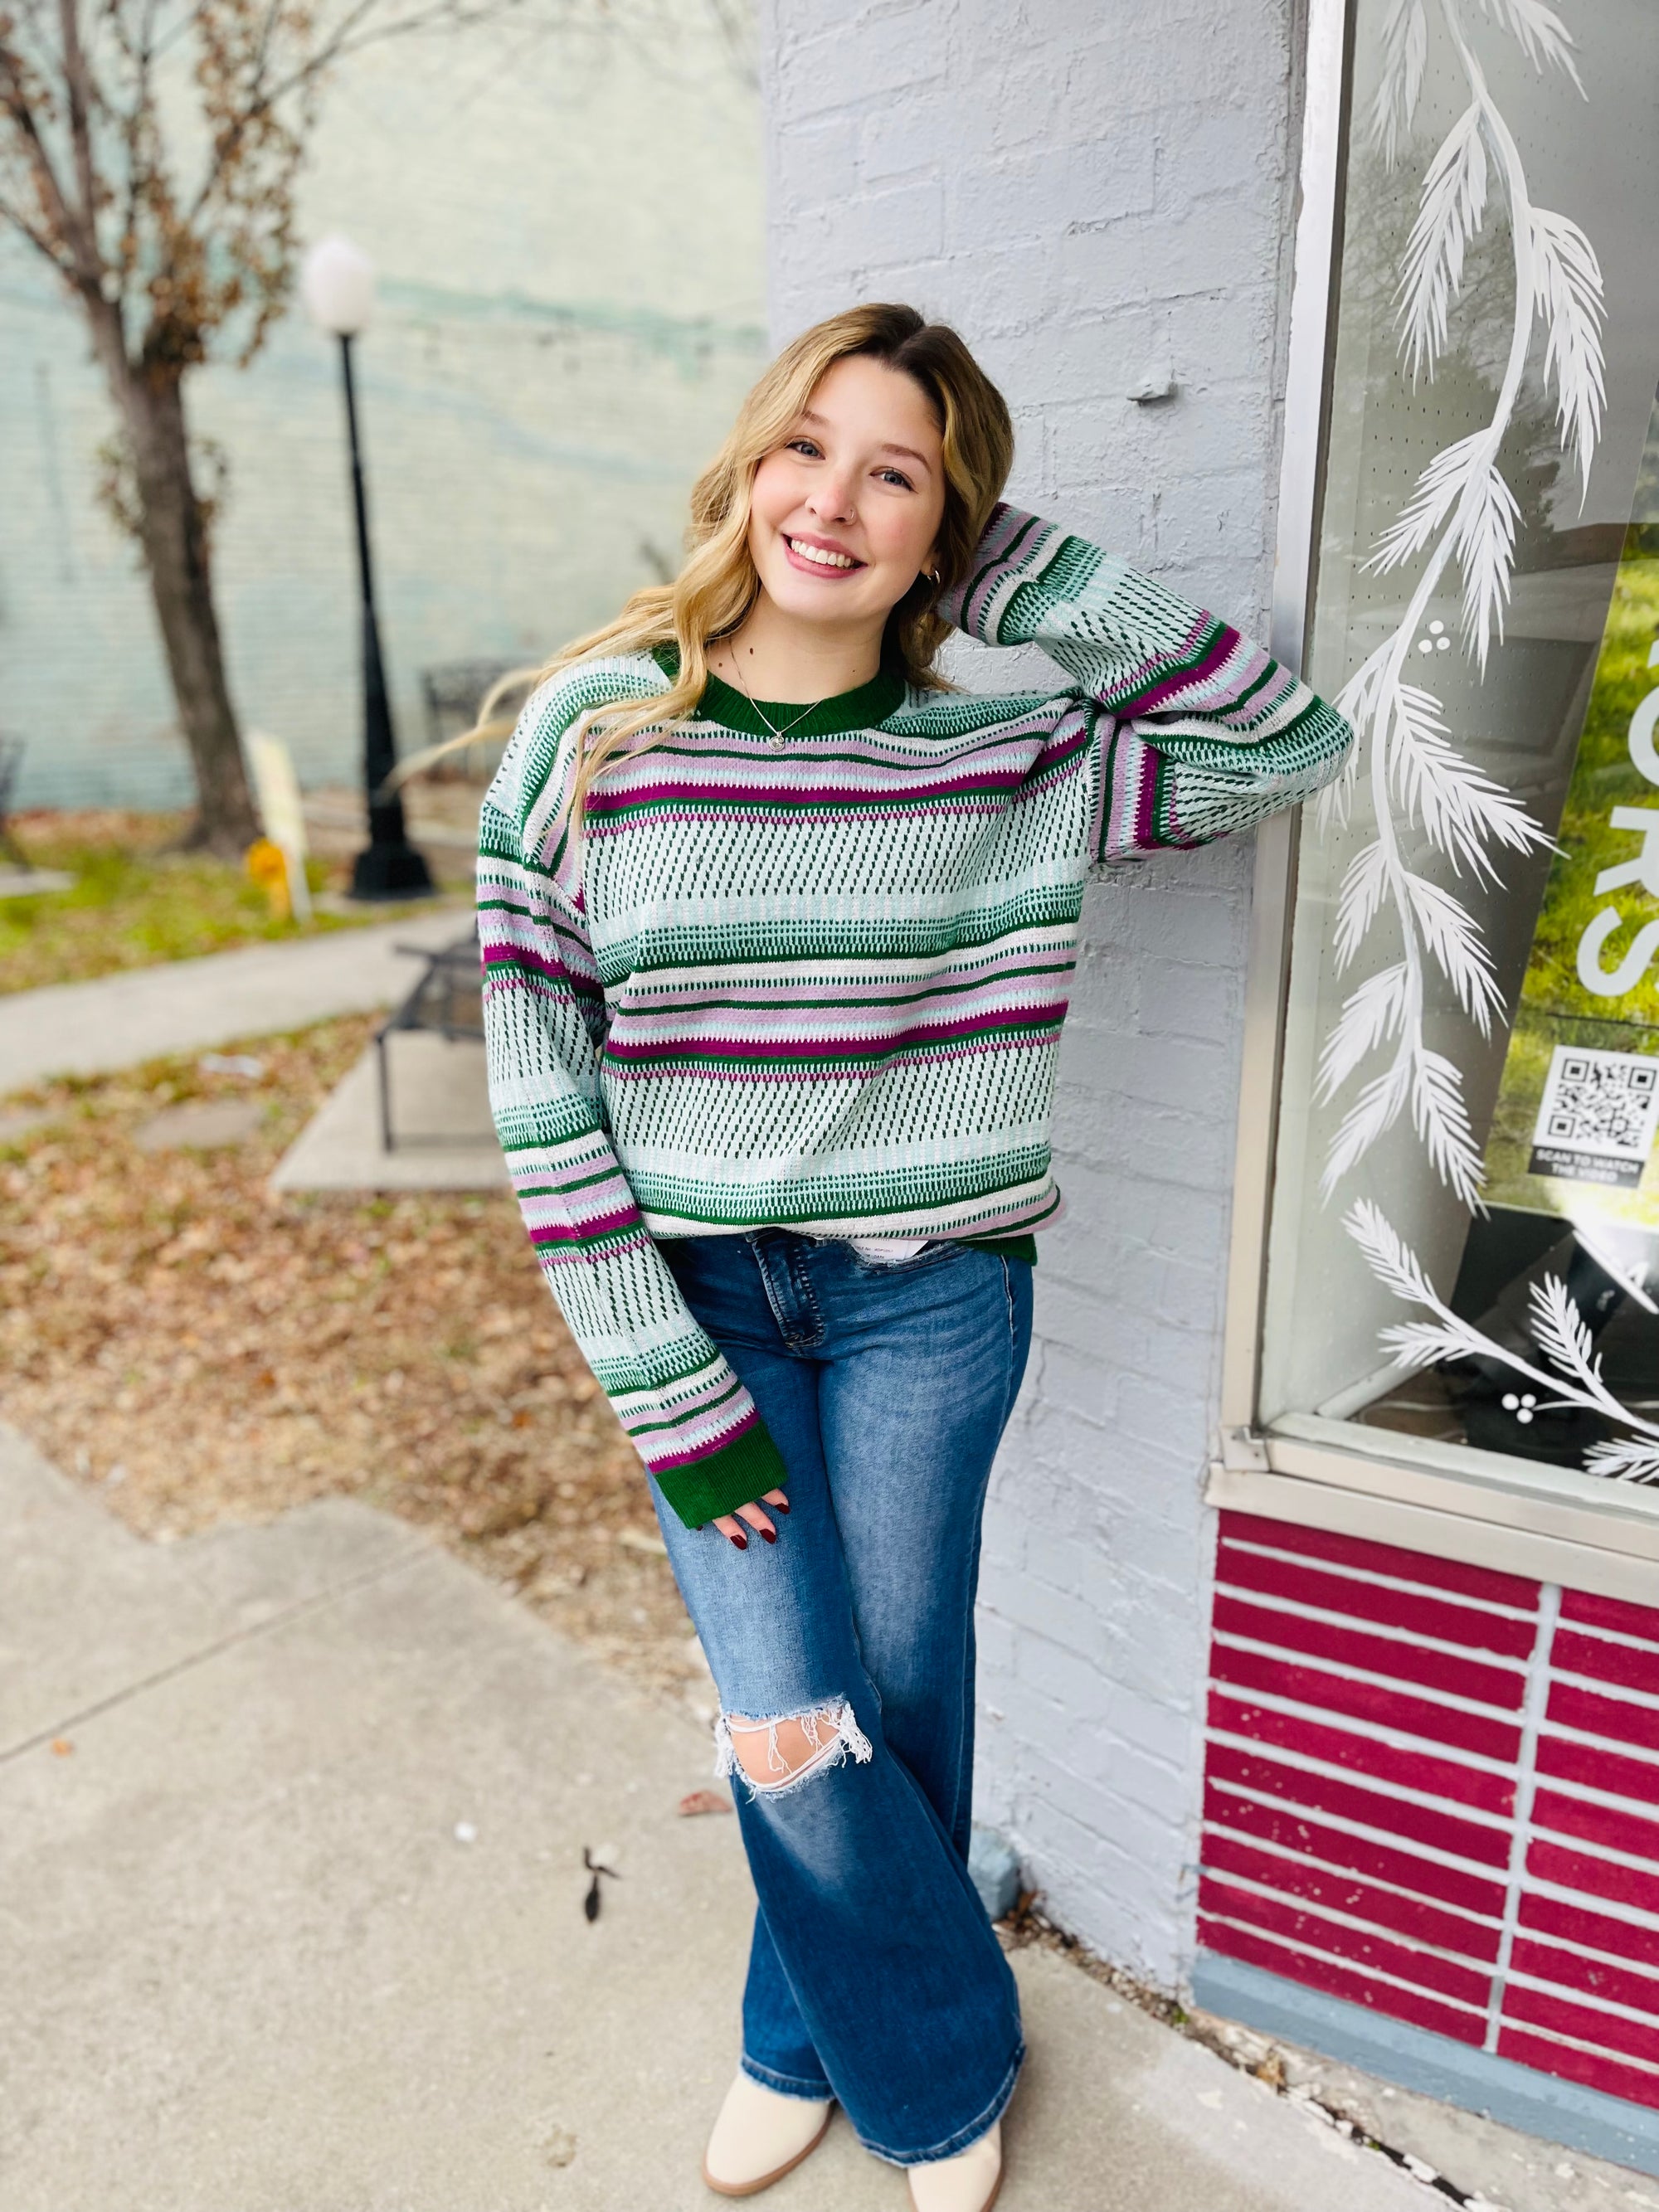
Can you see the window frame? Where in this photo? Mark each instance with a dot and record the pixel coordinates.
(1500, 1511)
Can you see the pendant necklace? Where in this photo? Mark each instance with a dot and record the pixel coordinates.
(778, 734)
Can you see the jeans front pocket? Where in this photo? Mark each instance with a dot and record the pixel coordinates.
(932, 1254)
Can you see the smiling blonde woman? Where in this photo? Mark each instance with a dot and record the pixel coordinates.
(778, 934)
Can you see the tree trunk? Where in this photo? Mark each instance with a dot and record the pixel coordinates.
(173, 535)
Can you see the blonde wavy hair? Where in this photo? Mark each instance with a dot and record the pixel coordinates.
(717, 585)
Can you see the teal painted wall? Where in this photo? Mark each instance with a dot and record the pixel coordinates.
(570, 240)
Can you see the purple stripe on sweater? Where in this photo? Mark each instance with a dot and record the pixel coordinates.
(865, 1071)
(799, 794)
(1146, 799)
(579, 1255)
(834, 1047)
(602, 1224)
(1128, 755)
(535, 963)
(1014, 999)
(740, 1427)
(974, 607)
(981, 970)
(1171, 687)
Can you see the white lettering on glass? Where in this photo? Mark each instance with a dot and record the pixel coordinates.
(1641, 726)
(1628, 974)
(1644, 870)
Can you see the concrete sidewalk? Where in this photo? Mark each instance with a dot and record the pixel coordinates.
(189, 1005)
(443, 1136)
(294, 1924)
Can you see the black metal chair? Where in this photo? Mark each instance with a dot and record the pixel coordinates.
(452, 693)
(448, 1002)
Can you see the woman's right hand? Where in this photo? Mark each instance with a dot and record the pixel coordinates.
(735, 1527)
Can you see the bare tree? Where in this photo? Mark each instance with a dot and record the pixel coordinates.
(149, 150)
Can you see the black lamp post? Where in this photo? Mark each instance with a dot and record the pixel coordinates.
(337, 282)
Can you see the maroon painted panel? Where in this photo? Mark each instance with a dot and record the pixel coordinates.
(1425, 1970)
(1296, 1832)
(1384, 1560)
(1553, 1809)
(1503, 1687)
(1590, 1764)
(1614, 1613)
(1603, 1878)
(1594, 1977)
(1488, 1737)
(1335, 1593)
(1339, 1746)
(1607, 2031)
(1347, 1800)
(1621, 1718)
(1582, 1997)
(1585, 2066)
(1625, 1664)
(1601, 1932)
(1360, 1988)
(1414, 1918)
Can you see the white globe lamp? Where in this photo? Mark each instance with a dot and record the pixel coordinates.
(337, 283)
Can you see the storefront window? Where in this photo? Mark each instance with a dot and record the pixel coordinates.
(1467, 1171)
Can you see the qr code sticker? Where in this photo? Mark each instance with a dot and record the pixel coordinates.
(1599, 1114)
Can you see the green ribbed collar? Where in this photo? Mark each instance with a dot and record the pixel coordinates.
(863, 708)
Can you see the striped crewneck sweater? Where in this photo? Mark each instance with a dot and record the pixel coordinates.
(819, 982)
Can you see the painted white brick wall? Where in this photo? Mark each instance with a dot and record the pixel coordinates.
(1088, 188)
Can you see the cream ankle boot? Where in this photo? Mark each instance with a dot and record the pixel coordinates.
(759, 2137)
(967, 2183)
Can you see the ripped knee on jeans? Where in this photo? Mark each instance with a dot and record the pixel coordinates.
(780, 1753)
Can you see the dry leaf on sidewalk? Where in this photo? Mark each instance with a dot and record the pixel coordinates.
(704, 1801)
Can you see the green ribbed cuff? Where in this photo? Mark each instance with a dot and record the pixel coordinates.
(735, 1475)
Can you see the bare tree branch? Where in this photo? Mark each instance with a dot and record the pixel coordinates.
(74, 250)
(37, 238)
(81, 96)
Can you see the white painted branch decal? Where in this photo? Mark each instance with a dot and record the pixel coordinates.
(1460, 517)
(1572, 1379)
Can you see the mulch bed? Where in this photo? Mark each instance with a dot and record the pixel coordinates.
(198, 1349)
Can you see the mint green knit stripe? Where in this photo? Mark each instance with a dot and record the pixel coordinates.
(743, 944)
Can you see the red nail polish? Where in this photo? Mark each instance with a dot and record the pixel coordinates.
(742, 1543)
(782, 1505)
(770, 1535)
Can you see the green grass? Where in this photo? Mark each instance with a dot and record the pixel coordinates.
(135, 901)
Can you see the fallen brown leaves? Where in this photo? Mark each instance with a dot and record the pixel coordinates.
(702, 1800)
(199, 1350)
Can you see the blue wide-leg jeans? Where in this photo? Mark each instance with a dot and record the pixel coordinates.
(874, 1975)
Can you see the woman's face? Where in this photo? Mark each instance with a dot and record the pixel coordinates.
(845, 510)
